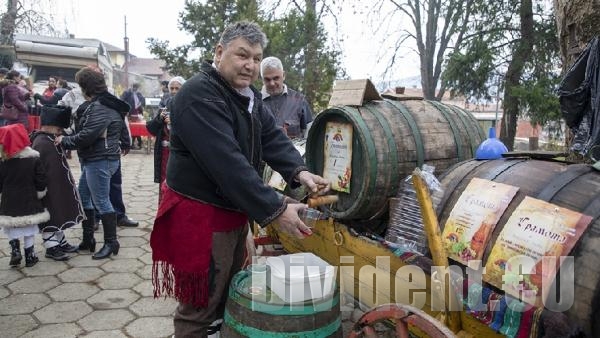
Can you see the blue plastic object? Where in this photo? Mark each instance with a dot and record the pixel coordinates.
(492, 148)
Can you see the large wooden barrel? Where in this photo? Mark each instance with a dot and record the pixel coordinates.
(248, 315)
(389, 139)
(575, 187)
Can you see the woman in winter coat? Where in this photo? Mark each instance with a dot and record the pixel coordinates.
(23, 185)
(15, 95)
(62, 199)
(97, 141)
(159, 127)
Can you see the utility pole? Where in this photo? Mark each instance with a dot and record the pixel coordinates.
(126, 65)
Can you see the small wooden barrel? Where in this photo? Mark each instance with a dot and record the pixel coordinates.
(248, 315)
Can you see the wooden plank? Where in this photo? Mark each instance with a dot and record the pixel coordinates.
(353, 93)
(401, 97)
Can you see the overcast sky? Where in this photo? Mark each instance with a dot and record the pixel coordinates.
(104, 20)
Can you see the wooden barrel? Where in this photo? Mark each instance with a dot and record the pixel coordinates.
(389, 139)
(248, 315)
(575, 187)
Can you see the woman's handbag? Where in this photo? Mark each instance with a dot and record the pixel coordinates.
(9, 113)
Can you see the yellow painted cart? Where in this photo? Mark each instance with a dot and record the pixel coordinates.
(374, 276)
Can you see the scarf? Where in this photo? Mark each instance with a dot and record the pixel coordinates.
(181, 243)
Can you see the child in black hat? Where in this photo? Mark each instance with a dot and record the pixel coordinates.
(62, 199)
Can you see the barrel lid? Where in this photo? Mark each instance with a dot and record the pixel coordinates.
(353, 93)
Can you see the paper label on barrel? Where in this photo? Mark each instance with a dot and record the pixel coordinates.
(276, 180)
(536, 229)
(338, 155)
(474, 217)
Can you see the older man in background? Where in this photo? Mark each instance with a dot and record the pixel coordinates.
(290, 108)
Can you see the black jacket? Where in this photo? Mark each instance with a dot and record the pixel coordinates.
(62, 199)
(22, 186)
(217, 146)
(101, 131)
(156, 127)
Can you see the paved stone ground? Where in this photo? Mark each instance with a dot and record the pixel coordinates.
(87, 298)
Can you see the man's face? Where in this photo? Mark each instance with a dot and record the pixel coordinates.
(239, 62)
(174, 88)
(273, 80)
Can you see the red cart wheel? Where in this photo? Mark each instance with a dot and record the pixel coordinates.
(401, 315)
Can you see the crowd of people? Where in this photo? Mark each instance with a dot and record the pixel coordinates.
(38, 191)
(209, 192)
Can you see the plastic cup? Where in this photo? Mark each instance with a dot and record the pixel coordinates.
(258, 275)
(309, 216)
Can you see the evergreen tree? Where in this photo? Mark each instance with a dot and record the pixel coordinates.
(310, 65)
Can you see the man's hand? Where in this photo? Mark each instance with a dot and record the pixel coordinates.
(315, 183)
(291, 224)
(58, 139)
(125, 151)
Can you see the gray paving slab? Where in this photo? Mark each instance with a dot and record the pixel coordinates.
(17, 325)
(113, 299)
(63, 330)
(4, 292)
(145, 289)
(23, 303)
(73, 291)
(45, 268)
(123, 265)
(105, 334)
(81, 274)
(62, 312)
(150, 327)
(118, 280)
(125, 253)
(106, 319)
(34, 284)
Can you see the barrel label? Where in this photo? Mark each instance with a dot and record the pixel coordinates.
(338, 155)
(525, 257)
(474, 217)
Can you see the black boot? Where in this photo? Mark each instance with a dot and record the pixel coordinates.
(30, 258)
(65, 246)
(111, 245)
(125, 221)
(88, 242)
(56, 253)
(15, 253)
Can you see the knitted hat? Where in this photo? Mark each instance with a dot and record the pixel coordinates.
(13, 139)
(54, 115)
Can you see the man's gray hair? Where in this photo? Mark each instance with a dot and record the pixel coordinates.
(270, 62)
(244, 29)
(177, 79)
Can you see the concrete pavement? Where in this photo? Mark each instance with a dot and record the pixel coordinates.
(107, 298)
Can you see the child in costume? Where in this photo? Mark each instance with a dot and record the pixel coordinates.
(23, 185)
(62, 199)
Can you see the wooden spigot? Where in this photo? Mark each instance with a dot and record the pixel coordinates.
(322, 200)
